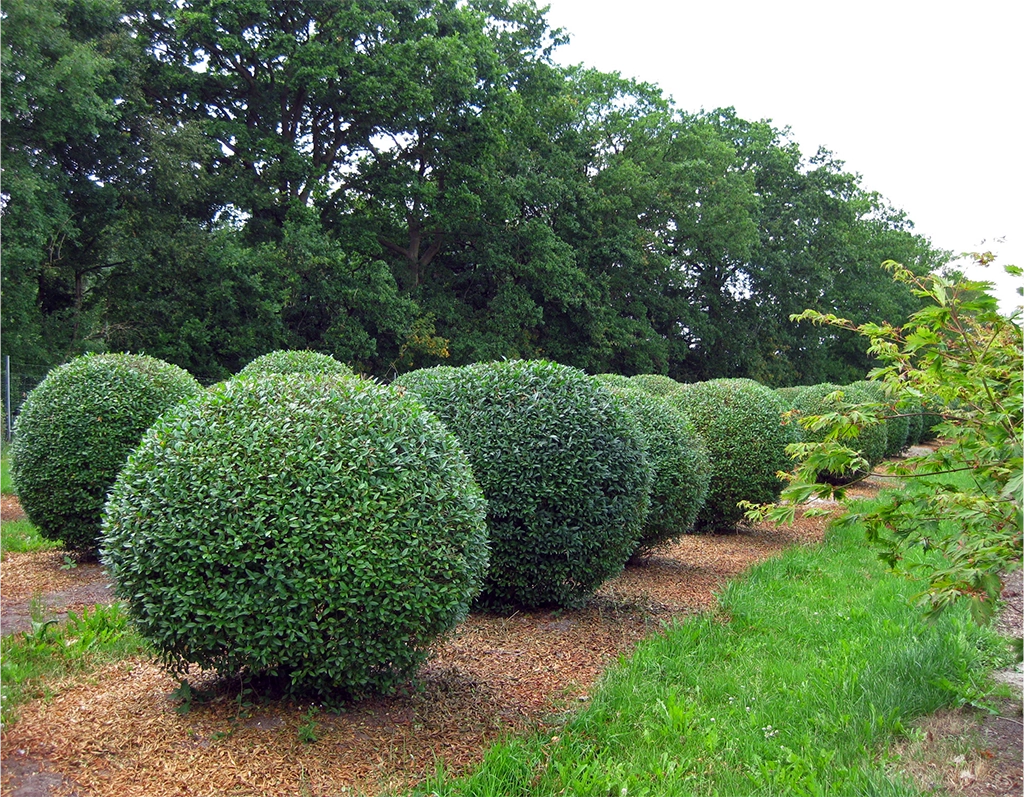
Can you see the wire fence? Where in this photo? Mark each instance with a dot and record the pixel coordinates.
(18, 379)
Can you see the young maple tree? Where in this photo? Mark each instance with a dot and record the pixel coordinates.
(962, 360)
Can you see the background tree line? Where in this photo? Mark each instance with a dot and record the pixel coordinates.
(401, 183)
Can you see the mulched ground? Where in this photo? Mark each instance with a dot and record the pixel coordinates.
(118, 731)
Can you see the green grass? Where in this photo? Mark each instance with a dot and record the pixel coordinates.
(30, 662)
(815, 664)
(18, 536)
(6, 484)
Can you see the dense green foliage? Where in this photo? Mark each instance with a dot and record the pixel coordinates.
(897, 426)
(966, 362)
(295, 362)
(871, 434)
(813, 401)
(822, 666)
(657, 384)
(403, 184)
(742, 425)
(561, 466)
(75, 431)
(323, 529)
(679, 464)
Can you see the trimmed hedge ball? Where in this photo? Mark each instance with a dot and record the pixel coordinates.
(741, 424)
(658, 384)
(561, 466)
(897, 426)
(295, 362)
(322, 529)
(821, 399)
(679, 461)
(913, 408)
(788, 395)
(615, 380)
(874, 439)
(75, 431)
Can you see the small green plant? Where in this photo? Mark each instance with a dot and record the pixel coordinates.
(561, 466)
(184, 694)
(30, 663)
(75, 431)
(309, 729)
(323, 529)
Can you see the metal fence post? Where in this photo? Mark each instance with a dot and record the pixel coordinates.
(8, 412)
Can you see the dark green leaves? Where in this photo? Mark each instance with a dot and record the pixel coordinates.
(325, 528)
(562, 468)
(75, 431)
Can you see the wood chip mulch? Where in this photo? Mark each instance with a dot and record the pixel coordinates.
(117, 732)
(10, 508)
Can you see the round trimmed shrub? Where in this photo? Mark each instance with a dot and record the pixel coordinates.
(897, 427)
(615, 380)
(930, 419)
(874, 439)
(322, 529)
(75, 431)
(741, 424)
(562, 468)
(679, 465)
(815, 400)
(788, 395)
(295, 362)
(658, 384)
(913, 408)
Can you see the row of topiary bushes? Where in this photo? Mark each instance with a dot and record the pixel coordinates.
(906, 422)
(301, 521)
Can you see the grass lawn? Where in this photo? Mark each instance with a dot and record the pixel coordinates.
(814, 664)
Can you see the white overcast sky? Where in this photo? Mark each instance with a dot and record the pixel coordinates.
(925, 100)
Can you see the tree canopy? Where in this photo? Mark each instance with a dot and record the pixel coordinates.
(410, 183)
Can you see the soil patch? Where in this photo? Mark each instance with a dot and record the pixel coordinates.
(10, 508)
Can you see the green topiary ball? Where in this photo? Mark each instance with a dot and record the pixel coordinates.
(822, 399)
(788, 395)
(323, 529)
(658, 384)
(897, 426)
(873, 439)
(560, 464)
(75, 431)
(615, 380)
(741, 423)
(295, 362)
(679, 462)
(913, 409)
